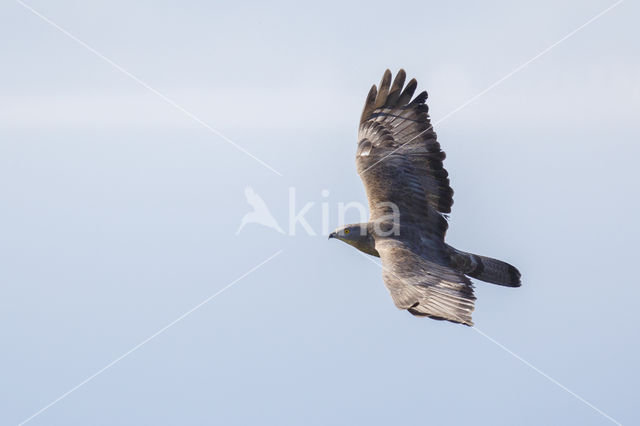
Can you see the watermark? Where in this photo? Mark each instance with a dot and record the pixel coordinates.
(260, 214)
(388, 222)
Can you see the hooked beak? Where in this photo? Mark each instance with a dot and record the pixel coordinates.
(332, 235)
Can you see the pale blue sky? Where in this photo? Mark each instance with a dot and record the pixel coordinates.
(118, 213)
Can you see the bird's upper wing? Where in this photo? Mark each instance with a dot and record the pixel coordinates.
(399, 159)
(423, 287)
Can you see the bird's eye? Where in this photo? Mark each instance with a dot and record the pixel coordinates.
(346, 231)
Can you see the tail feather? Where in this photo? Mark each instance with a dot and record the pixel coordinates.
(487, 269)
(495, 271)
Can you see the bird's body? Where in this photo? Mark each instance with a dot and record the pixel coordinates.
(400, 163)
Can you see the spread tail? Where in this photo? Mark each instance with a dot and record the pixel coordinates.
(486, 269)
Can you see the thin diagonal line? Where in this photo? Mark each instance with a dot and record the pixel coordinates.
(145, 341)
(501, 80)
(524, 361)
(146, 86)
(545, 375)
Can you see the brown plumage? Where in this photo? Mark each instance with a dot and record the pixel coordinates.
(401, 164)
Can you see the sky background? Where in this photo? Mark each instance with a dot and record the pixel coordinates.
(119, 213)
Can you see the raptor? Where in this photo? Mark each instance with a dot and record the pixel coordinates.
(400, 163)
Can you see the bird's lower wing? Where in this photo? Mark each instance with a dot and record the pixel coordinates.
(424, 287)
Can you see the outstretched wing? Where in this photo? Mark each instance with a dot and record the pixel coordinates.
(399, 159)
(425, 288)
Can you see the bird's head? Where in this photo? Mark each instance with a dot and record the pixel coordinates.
(350, 233)
(357, 235)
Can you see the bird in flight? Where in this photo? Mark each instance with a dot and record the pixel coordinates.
(400, 163)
